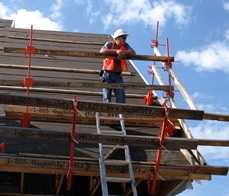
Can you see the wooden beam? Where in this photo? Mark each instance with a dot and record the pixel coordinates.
(170, 143)
(58, 69)
(214, 116)
(64, 91)
(58, 41)
(84, 167)
(83, 84)
(153, 111)
(65, 116)
(87, 54)
(86, 120)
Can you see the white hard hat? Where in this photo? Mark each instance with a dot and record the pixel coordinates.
(118, 33)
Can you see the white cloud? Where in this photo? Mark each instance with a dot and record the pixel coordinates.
(121, 12)
(24, 18)
(226, 34)
(211, 57)
(212, 108)
(212, 130)
(56, 9)
(4, 11)
(226, 5)
(205, 102)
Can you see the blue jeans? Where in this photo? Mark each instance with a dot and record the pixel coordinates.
(113, 77)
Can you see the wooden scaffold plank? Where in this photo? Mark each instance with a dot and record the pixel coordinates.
(87, 54)
(82, 84)
(55, 115)
(170, 143)
(58, 69)
(153, 111)
(89, 167)
(64, 91)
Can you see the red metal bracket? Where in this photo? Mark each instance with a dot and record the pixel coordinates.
(149, 98)
(167, 129)
(72, 144)
(2, 147)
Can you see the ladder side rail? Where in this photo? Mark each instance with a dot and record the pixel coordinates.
(102, 168)
(128, 158)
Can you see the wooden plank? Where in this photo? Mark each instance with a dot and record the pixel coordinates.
(83, 84)
(214, 116)
(63, 34)
(87, 54)
(64, 91)
(65, 116)
(58, 69)
(153, 111)
(57, 40)
(84, 167)
(170, 143)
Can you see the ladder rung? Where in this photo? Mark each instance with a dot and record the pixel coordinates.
(114, 162)
(114, 146)
(114, 195)
(118, 180)
(112, 132)
(111, 118)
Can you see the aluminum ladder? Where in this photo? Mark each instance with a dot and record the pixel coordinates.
(104, 161)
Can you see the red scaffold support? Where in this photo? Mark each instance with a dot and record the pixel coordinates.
(2, 147)
(28, 81)
(72, 144)
(166, 129)
(167, 126)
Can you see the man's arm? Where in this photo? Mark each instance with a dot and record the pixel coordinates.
(106, 49)
(126, 53)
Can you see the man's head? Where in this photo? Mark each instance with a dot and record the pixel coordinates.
(120, 36)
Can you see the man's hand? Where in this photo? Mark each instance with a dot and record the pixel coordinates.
(121, 54)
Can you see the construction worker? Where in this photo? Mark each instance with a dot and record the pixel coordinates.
(113, 67)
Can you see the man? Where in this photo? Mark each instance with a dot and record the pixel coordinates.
(113, 67)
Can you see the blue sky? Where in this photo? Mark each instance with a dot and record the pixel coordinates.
(198, 31)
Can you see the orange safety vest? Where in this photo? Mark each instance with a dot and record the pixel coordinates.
(109, 63)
